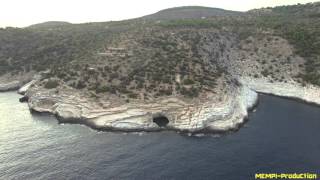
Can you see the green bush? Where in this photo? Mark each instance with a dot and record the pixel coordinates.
(102, 89)
(188, 81)
(51, 83)
(265, 73)
(80, 85)
(133, 95)
(191, 93)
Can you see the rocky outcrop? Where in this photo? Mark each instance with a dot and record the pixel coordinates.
(10, 82)
(232, 116)
(71, 107)
(25, 87)
(10, 86)
(308, 93)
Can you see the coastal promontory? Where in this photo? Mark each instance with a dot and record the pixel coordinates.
(187, 68)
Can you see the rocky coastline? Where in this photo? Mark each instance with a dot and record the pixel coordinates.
(15, 82)
(185, 74)
(182, 116)
(306, 93)
(73, 107)
(11, 86)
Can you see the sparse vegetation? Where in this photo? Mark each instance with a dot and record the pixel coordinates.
(147, 55)
(51, 83)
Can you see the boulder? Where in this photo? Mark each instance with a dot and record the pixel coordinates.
(25, 87)
(67, 113)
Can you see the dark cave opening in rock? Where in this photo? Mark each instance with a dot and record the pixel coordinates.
(161, 121)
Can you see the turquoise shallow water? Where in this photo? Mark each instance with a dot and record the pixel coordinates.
(281, 136)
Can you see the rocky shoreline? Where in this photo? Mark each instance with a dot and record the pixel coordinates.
(308, 93)
(229, 114)
(11, 86)
(182, 116)
(15, 82)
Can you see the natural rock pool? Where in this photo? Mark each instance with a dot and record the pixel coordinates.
(281, 136)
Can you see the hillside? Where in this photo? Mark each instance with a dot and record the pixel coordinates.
(38, 49)
(190, 12)
(49, 24)
(195, 55)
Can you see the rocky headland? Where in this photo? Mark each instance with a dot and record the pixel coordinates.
(70, 106)
(212, 115)
(194, 74)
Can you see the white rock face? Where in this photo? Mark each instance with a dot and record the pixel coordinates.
(10, 86)
(223, 116)
(309, 93)
(25, 87)
(67, 112)
(227, 114)
(233, 115)
(42, 104)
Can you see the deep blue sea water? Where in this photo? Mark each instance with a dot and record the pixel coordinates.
(281, 136)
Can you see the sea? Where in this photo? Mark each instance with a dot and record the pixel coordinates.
(281, 136)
